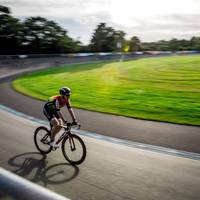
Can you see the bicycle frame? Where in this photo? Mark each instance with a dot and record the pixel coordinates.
(66, 133)
(70, 143)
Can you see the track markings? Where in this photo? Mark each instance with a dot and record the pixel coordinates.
(128, 143)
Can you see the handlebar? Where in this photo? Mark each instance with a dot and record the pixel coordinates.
(69, 125)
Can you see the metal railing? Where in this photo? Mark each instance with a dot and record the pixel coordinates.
(16, 187)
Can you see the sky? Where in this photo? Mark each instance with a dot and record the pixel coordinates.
(150, 20)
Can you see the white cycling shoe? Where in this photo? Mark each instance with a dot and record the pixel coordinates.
(54, 145)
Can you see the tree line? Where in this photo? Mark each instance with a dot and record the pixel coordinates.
(38, 35)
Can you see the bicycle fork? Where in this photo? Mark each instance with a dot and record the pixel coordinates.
(72, 144)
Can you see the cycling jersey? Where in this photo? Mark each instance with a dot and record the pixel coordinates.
(53, 106)
(57, 102)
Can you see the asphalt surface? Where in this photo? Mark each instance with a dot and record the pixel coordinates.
(110, 171)
(186, 138)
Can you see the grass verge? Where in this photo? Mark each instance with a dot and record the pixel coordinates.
(164, 89)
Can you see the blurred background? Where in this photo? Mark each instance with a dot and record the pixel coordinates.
(48, 27)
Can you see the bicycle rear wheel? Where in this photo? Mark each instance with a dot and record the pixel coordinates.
(41, 140)
(74, 149)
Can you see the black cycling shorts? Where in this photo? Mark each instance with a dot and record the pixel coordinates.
(49, 113)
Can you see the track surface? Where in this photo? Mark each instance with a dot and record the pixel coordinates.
(110, 171)
(186, 138)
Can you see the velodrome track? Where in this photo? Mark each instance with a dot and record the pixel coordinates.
(185, 138)
(110, 171)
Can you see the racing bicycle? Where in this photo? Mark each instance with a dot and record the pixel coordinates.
(73, 147)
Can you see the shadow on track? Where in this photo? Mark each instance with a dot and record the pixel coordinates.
(34, 167)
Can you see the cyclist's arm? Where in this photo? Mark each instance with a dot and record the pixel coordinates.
(71, 112)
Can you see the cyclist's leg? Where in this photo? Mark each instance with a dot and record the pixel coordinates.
(49, 115)
(56, 122)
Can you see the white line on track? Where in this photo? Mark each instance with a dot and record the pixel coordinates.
(129, 143)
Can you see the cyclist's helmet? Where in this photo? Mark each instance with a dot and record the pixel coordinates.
(65, 91)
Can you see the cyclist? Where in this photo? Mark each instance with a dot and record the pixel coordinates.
(52, 112)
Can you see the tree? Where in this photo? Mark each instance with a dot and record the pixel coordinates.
(42, 35)
(45, 36)
(11, 32)
(195, 43)
(68, 45)
(134, 44)
(119, 39)
(4, 10)
(105, 38)
(172, 45)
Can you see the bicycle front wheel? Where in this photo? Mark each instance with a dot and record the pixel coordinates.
(74, 149)
(41, 139)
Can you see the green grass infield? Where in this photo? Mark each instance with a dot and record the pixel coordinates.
(164, 89)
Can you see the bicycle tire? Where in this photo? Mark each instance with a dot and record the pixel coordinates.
(76, 139)
(37, 144)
